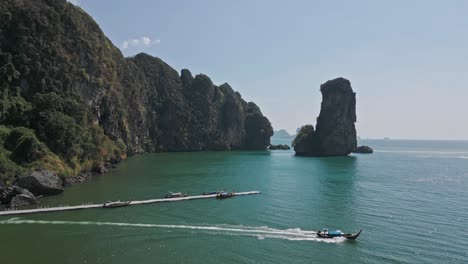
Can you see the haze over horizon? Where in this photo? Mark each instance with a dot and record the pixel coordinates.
(406, 61)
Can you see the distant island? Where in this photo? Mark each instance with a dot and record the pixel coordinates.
(279, 147)
(281, 134)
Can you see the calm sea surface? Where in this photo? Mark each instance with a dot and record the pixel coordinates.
(410, 197)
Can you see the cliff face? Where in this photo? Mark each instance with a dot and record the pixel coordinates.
(84, 103)
(189, 113)
(335, 133)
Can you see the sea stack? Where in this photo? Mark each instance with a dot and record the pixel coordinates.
(335, 133)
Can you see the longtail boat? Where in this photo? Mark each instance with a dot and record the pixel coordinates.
(325, 233)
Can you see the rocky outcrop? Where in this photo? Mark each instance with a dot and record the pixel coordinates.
(258, 130)
(335, 133)
(100, 168)
(279, 147)
(41, 183)
(22, 200)
(9, 192)
(18, 190)
(363, 150)
(15, 196)
(5, 194)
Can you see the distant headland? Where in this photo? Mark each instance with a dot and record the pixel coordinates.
(281, 134)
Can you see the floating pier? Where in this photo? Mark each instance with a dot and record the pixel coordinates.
(89, 206)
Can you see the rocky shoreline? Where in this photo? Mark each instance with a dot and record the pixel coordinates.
(363, 150)
(98, 170)
(28, 189)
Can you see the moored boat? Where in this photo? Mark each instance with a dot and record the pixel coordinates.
(176, 195)
(325, 233)
(209, 193)
(223, 195)
(116, 204)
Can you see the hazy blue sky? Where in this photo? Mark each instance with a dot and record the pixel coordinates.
(407, 60)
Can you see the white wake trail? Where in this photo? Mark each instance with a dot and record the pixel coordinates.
(294, 234)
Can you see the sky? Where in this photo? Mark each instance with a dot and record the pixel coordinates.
(407, 60)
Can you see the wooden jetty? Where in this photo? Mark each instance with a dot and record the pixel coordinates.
(89, 206)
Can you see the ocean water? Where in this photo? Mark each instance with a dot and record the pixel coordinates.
(410, 197)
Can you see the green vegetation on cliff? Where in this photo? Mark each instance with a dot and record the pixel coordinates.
(51, 131)
(69, 100)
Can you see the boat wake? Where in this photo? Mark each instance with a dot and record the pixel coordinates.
(293, 234)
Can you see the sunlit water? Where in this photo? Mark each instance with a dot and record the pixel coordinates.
(410, 197)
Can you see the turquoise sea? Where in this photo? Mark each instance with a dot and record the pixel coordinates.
(410, 197)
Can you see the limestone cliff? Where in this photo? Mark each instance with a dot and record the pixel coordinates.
(335, 133)
(81, 103)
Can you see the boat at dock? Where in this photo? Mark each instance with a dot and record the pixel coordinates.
(116, 204)
(209, 193)
(223, 195)
(325, 233)
(175, 195)
(108, 205)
